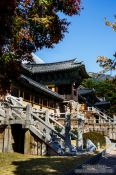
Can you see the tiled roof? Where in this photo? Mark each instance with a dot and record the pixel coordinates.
(51, 67)
(39, 87)
(85, 91)
(102, 103)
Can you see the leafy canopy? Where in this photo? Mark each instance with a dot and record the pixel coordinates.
(35, 24)
(106, 63)
(28, 25)
(104, 88)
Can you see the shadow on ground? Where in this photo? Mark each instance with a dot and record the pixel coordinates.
(44, 166)
(105, 166)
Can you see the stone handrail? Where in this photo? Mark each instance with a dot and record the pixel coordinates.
(101, 114)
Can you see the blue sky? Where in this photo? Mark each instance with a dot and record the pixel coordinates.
(88, 36)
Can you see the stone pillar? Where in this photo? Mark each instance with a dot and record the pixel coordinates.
(110, 132)
(7, 114)
(27, 142)
(80, 129)
(28, 115)
(114, 119)
(67, 131)
(7, 139)
(47, 116)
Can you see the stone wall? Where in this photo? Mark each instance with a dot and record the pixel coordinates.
(35, 145)
(12, 140)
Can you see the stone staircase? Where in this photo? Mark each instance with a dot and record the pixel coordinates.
(104, 123)
(101, 114)
(39, 122)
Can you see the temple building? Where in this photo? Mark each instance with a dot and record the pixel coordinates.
(31, 125)
(45, 85)
(88, 96)
(31, 129)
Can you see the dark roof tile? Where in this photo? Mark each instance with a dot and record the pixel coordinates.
(85, 91)
(39, 87)
(102, 103)
(51, 67)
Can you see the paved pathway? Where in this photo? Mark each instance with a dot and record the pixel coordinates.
(105, 166)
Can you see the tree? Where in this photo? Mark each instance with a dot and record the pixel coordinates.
(106, 63)
(104, 88)
(36, 23)
(28, 25)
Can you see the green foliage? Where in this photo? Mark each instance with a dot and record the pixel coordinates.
(7, 57)
(35, 24)
(95, 137)
(9, 70)
(111, 24)
(28, 25)
(58, 129)
(106, 63)
(104, 88)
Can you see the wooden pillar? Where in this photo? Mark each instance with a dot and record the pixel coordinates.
(74, 92)
(23, 94)
(30, 98)
(56, 89)
(33, 101)
(41, 103)
(19, 93)
(27, 142)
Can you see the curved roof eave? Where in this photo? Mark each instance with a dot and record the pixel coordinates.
(40, 87)
(47, 68)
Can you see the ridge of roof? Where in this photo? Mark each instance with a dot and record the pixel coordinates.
(81, 87)
(52, 67)
(102, 103)
(57, 62)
